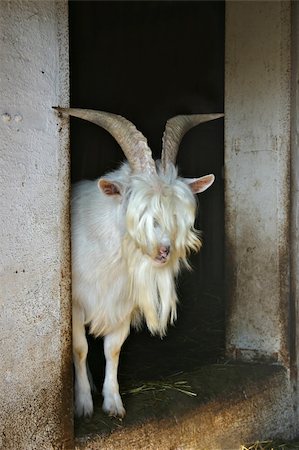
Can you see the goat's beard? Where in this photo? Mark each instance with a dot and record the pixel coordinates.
(151, 287)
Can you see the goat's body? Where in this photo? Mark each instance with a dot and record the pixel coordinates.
(114, 283)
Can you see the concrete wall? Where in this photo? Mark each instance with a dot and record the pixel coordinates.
(295, 198)
(35, 392)
(257, 140)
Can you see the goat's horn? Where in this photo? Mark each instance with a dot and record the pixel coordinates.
(132, 141)
(175, 129)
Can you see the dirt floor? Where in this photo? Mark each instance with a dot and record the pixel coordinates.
(173, 396)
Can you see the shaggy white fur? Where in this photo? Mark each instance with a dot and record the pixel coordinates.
(130, 235)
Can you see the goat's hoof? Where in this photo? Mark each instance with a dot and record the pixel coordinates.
(84, 406)
(113, 407)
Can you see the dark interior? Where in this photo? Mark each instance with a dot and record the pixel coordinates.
(149, 61)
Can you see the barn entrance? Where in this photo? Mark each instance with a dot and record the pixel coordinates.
(255, 396)
(149, 61)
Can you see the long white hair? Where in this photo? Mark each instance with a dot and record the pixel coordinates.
(154, 217)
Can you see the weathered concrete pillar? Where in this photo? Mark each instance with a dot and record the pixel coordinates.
(294, 229)
(35, 391)
(257, 169)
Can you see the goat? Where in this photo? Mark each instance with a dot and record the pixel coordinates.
(132, 230)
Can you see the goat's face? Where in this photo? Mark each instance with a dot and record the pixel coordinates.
(160, 217)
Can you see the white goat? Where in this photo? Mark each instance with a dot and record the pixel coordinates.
(131, 231)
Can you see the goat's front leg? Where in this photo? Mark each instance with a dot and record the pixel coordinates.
(112, 404)
(83, 399)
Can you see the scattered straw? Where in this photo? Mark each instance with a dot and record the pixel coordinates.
(159, 386)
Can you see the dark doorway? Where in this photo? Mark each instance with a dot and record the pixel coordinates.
(149, 61)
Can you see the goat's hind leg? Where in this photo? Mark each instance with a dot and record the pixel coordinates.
(83, 398)
(113, 342)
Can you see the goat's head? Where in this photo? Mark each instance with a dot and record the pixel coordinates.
(160, 216)
(159, 206)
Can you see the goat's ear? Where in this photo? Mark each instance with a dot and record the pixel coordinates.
(198, 185)
(109, 187)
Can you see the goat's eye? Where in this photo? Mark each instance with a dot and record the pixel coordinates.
(156, 224)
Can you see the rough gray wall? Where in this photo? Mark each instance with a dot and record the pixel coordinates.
(295, 196)
(35, 400)
(257, 153)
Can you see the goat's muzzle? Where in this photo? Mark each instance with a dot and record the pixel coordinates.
(163, 254)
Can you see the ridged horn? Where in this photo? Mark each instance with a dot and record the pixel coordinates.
(132, 141)
(175, 129)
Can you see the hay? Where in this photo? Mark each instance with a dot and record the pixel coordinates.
(160, 386)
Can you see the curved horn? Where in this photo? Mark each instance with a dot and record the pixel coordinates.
(175, 129)
(132, 141)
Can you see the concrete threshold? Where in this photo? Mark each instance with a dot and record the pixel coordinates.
(220, 406)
